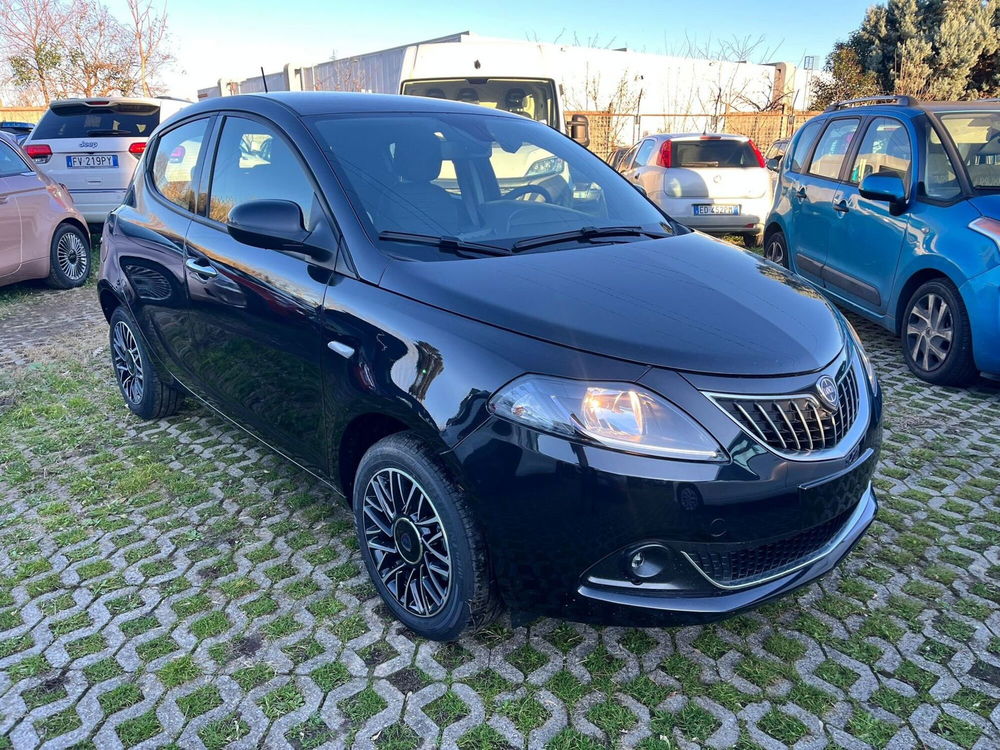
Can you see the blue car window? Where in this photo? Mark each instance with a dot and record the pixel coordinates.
(832, 148)
(885, 149)
(940, 181)
(806, 138)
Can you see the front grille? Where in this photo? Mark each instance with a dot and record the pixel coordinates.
(796, 424)
(735, 567)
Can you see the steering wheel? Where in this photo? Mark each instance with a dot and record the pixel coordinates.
(520, 192)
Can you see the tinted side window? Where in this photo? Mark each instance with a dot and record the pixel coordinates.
(832, 148)
(642, 155)
(252, 163)
(804, 142)
(10, 162)
(885, 149)
(174, 162)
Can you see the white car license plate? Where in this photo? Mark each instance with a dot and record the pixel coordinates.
(92, 160)
(715, 209)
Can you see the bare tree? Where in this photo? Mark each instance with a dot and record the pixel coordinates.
(98, 55)
(31, 45)
(149, 32)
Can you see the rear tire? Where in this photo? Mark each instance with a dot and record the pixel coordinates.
(936, 337)
(69, 258)
(752, 240)
(419, 541)
(776, 248)
(148, 392)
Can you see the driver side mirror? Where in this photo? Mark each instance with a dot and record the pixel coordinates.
(774, 163)
(579, 129)
(270, 224)
(884, 187)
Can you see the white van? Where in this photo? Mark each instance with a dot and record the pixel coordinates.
(92, 146)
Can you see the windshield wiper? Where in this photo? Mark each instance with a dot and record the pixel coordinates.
(444, 243)
(586, 233)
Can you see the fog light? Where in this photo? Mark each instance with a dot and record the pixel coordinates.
(648, 561)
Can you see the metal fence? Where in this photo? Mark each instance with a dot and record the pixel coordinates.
(609, 131)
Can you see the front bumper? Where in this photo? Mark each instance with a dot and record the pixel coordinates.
(562, 520)
(981, 295)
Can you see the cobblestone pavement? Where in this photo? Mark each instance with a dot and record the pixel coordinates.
(176, 582)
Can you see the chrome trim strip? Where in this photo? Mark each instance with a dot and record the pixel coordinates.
(822, 552)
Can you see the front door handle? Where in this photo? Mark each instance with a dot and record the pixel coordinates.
(341, 348)
(3, 198)
(800, 193)
(841, 207)
(201, 267)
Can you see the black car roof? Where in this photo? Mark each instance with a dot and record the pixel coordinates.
(306, 103)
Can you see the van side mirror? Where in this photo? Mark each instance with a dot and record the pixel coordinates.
(270, 224)
(884, 187)
(579, 129)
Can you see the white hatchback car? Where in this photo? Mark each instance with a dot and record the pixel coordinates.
(713, 182)
(92, 146)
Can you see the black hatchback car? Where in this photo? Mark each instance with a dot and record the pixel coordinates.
(534, 389)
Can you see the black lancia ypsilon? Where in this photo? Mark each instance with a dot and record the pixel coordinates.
(535, 390)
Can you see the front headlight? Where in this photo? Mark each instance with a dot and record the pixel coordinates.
(863, 356)
(617, 415)
(548, 165)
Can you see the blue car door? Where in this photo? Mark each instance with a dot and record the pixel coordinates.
(867, 235)
(812, 200)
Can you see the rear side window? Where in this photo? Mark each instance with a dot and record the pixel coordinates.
(252, 163)
(885, 149)
(175, 160)
(10, 162)
(642, 156)
(81, 121)
(804, 142)
(722, 153)
(832, 148)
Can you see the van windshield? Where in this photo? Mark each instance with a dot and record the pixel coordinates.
(977, 138)
(534, 99)
(81, 121)
(476, 178)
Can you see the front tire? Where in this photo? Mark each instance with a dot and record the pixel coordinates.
(776, 248)
(69, 258)
(146, 391)
(936, 337)
(419, 541)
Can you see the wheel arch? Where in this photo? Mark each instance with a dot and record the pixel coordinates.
(914, 281)
(108, 299)
(771, 227)
(360, 434)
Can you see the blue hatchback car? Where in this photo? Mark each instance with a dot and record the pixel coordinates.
(892, 206)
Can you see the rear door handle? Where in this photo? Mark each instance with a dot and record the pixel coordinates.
(841, 207)
(201, 267)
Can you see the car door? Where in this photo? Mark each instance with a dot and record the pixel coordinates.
(812, 199)
(149, 230)
(10, 216)
(257, 345)
(867, 237)
(640, 172)
(34, 204)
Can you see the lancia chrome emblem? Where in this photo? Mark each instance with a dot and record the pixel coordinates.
(827, 390)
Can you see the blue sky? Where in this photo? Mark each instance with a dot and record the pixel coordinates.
(223, 38)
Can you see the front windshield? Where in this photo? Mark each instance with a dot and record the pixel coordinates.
(977, 137)
(477, 178)
(534, 99)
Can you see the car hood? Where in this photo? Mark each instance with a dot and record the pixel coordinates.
(688, 302)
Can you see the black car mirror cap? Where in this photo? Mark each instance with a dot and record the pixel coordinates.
(774, 163)
(270, 224)
(884, 187)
